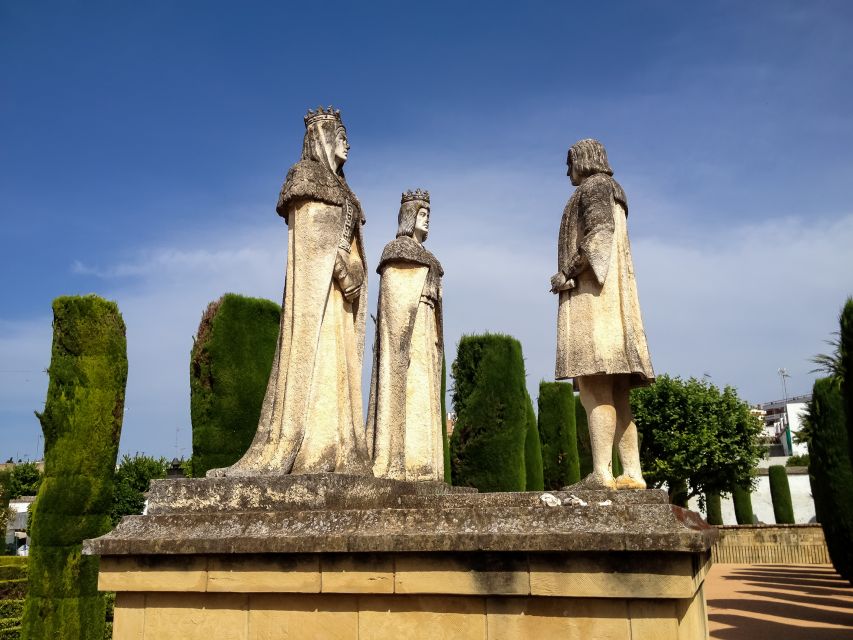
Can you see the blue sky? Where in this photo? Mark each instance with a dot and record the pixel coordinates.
(142, 147)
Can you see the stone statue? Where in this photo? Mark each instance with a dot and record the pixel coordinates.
(404, 413)
(311, 418)
(601, 343)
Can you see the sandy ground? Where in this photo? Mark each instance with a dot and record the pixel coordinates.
(779, 602)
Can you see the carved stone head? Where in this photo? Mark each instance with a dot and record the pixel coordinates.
(414, 214)
(587, 157)
(325, 139)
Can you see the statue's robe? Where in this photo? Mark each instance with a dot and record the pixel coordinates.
(311, 418)
(599, 326)
(404, 412)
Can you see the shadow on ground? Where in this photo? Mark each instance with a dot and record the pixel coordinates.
(779, 602)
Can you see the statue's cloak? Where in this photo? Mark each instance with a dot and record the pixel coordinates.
(599, 326)
(311, 417)
(404, 413)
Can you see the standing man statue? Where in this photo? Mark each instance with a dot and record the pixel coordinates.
(601, 343)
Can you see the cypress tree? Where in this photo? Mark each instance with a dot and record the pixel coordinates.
(713, 508)
(557, 432)
(532, 452)
(81, 422)
(229, 369)
(845, 344)
(780, 493)
(830, 468)
(742, 497)
(445, 441)
(584, 446)
(491, 402)
(678, 493)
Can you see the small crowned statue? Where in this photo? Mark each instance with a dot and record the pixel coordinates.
(601, 343)
(311, 418)
(404, 414)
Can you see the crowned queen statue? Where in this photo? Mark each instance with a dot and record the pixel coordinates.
(311, 418)
(404, 413)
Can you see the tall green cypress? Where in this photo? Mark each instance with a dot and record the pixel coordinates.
(557, 432)
(780, 494)
(713, 508)
(491, 402)
(742, 498)
(81, 422)
(584, 444)
(445, 441)
(532, 452)
(832, 473)
(229, 369)
(845, 344)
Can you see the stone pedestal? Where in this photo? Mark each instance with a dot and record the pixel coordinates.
(333, 556)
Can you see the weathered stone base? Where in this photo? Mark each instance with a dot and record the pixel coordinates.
(331, 556)
(626, 596)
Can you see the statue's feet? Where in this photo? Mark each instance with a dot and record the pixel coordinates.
(630, 482)
(596, 480)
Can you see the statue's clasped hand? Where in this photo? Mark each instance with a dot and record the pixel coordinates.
(349, 275)
(559, 282)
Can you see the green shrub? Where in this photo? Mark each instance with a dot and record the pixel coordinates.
(845, 344)
(132, 479)
(81, 423)
(780, 493)
(557, 432)
(229, 369)
(742, 498)
(713, 508)
(24, 480)
(831, 474)
(584, 445)
(532, 453)
(491, 402)
(798, 461)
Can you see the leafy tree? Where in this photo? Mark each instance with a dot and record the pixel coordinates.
(557, 431)
(487, 447)
(25, 480)
(81, 422)
(229, 369)
(132, 479)
(696, 434)
(845, 353)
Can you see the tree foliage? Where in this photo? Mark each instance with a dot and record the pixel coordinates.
(229, 369)
(558, 434)
(24, 480)
(487, 447)
(692, 432)
(780, 494)
(831, 472)
(845, 355)
(132, 479)
(81, 423)
(445, 441)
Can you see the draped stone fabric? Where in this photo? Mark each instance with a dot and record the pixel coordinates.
(311, 418)
(599, 326)
(404, 412)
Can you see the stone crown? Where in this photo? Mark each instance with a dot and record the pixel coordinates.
(329, 114)
(417, 194)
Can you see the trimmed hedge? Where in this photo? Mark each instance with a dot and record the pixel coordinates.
(584, 445)
(714, 508)
(831, 474)
(445, 441)
(780, 493)
(532, 452)
(557, 432)
(487, 447)
(81, 422)
(742, 498)
(230, 366)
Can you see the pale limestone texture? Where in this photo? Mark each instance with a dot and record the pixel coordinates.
(404, 413)
(601, 342)
(311, 419)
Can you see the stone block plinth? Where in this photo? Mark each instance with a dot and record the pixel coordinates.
(332, 556)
